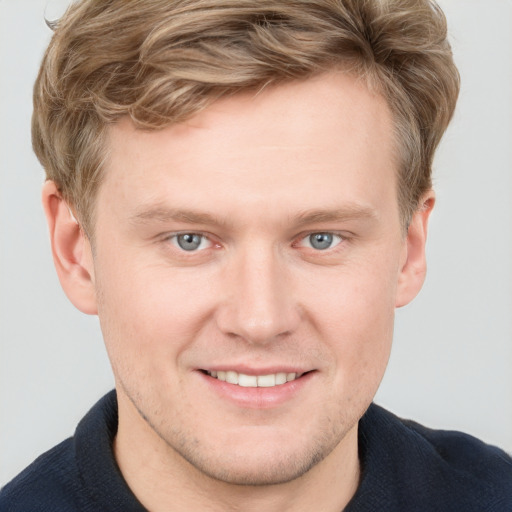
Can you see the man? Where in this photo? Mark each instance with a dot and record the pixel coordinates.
(241, 191)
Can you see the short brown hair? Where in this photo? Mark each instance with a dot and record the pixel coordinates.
(161, 61)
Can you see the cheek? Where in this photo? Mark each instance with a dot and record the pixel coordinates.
(356, 318)
(358, 298)
(149, 313)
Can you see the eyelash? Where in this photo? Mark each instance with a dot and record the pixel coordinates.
(337, 240)
(331, 234)
(175, 237)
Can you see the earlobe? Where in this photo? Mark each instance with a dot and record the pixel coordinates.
(414, 267)
(71, 251)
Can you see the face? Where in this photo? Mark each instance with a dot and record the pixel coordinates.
(246, 266)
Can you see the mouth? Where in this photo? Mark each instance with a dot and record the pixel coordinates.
(254, 381)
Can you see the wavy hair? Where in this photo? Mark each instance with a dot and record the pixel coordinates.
(161, 61)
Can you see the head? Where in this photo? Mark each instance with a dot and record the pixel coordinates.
(166, 61)
(252, 187)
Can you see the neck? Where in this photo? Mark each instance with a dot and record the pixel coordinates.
(162, 480)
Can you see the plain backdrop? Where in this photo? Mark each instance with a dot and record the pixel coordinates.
(451, 365)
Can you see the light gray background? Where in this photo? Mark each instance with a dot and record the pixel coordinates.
(451, 365)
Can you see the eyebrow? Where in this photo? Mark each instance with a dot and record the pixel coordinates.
(163, 214)
(346, 213)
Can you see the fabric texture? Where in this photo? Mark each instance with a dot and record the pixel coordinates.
(405, 467)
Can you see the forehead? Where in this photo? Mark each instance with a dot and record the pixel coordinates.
(290, 142)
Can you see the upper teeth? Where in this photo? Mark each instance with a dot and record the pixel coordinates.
(253, 381)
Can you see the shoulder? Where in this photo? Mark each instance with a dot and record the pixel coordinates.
(80, 474)
(418, 468)
(48, 481)
(474, 459)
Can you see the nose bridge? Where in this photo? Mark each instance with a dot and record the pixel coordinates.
(259, 304)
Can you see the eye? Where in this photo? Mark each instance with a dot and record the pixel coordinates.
(321, 241)
(190, 242)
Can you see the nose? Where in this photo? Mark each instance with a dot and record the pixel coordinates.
(258, 301)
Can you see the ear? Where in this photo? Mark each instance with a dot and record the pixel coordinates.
(71, 251)
(414, 265)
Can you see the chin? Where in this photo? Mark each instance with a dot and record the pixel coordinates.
(244, 471)
(256, 461)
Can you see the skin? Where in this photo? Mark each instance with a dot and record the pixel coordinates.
(255, 176)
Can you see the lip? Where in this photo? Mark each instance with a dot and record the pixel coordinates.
(267, 370)
(257, 397)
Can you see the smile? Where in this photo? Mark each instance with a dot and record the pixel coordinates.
(254, 381)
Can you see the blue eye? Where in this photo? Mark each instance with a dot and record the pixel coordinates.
(321, 241)
(190, 241)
